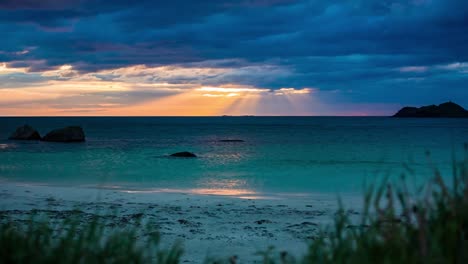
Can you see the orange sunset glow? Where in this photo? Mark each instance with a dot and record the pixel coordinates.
(66, 92)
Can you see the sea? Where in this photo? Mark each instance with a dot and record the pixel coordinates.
(277, 155)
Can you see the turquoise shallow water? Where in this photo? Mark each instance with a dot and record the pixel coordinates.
(280, 154)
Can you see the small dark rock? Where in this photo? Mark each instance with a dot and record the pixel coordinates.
(184, 154)
(25, 132)
(183, 222)
(260, 222)
(67, 134)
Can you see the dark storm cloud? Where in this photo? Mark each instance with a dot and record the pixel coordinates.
(356, 46)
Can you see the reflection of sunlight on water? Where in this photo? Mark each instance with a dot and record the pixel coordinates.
(229, 188)
(233, 193)
(239, 193)
(108, 186)
(5, 146)
(211, 183)
(223, 192)
(226, 187)
(258, 197)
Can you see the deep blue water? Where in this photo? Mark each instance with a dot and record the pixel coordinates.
(280, 154)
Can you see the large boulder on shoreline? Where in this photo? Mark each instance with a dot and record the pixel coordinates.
(184, 154)
(448, 109)
(25, 132)
(66, 134)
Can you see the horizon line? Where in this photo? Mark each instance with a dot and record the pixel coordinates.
(227, 116)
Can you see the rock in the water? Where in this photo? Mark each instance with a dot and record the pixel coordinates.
(184, 154)
(67, 134)
(25, 133)
(263, 221)
(448, 109)
(231, 140)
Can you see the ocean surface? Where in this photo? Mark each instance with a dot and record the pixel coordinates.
(293, 155)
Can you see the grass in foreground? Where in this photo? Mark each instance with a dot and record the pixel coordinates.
(398, 227)
(72, 242)
(395, 227)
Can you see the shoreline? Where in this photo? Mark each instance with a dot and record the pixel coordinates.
(204, 222)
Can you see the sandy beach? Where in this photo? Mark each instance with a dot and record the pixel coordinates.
(205, 222)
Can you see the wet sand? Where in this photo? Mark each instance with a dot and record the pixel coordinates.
(214, 226)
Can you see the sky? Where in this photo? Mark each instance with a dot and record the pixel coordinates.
(230, 57)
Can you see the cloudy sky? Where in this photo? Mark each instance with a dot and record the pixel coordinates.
(214, 57)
